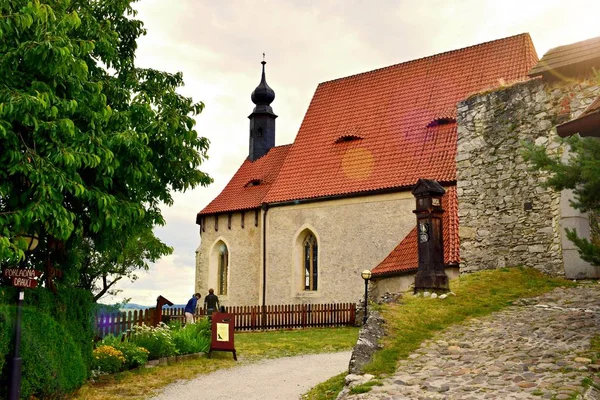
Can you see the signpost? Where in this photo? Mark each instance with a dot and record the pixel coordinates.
(25, 278)
(222, 333)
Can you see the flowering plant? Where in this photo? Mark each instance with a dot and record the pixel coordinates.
(157, 340)
(135, 356)
(107, 360)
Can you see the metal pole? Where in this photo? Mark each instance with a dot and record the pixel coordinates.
(366, 299)
(14, 390)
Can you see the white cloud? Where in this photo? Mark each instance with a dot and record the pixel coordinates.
(218, 46)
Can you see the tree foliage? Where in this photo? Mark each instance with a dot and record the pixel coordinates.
(91, 145)
(581, 173)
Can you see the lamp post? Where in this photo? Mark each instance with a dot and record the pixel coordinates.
(366, 275)
(16, 363)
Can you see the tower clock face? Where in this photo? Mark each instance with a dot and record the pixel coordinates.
(435, 201)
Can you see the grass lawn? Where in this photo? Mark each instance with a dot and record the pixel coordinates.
(408, 324)
(250, 347)
(416, 319)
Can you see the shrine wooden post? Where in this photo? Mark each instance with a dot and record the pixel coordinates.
(431, 274)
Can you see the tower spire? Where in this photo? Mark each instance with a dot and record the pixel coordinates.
(263, 95)
(262, 119)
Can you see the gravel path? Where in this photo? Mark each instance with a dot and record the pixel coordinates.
(538, 349)
(278, 379)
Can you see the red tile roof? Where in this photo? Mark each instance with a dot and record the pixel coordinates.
(572, 58)
(391, 108)
(240, 193)
(404, 258)
(402, 120)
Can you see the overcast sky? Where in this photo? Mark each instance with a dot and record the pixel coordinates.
(218, 46)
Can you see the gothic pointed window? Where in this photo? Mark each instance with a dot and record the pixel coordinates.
(223, 269)
(311, 262)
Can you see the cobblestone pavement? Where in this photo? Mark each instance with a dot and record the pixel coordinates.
(536, 349)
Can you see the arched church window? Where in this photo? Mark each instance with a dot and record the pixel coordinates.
(311, 262)
(223, 268)
(260, 132)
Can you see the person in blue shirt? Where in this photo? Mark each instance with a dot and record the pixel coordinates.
(190, 308)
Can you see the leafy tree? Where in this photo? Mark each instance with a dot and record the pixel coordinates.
(581, 173)
(100, 271)
(91, 145)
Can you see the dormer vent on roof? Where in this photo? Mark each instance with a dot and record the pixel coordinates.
(262, 119)
(253, 182)
(348, 138)
(441, 121)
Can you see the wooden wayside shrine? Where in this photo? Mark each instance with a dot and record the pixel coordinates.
(431, 274)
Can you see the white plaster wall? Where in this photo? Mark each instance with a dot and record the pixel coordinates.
(393, 284)
(244, 246)
(353, 234)
(571, 218)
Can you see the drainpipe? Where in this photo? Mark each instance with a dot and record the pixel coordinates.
(265, 208)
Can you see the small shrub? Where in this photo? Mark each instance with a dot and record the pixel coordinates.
(193, 338)
(107, 359)
(157, 340)
(174, 325)
(135, 356)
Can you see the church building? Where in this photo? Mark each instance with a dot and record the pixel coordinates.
(298, 223)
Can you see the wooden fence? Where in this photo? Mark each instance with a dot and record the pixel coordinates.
(247, 318)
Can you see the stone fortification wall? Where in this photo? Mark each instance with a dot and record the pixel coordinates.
(507, 217)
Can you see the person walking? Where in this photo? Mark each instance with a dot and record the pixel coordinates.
(190, 308)
(211, 302)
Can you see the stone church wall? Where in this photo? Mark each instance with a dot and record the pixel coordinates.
(507, 217)
(353, 234)
(244, 246)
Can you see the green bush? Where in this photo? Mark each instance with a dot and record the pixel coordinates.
(157, 340)
(107, 360)
(70, 307)
(52, 362)
(5, 336)
(193, 338)
(135, 356)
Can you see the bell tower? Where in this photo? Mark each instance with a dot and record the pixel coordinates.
(262, 119)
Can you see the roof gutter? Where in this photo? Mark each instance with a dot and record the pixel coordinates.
(588, 125)
(323, 198)
(351, 195)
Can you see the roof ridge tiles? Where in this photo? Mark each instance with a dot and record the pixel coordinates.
(524, 35)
